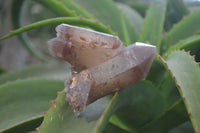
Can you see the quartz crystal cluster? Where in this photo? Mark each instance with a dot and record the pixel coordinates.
(100, 63)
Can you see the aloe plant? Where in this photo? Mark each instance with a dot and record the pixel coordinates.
(166, 101)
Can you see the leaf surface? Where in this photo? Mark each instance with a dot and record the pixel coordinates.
(50, 71)
(132, 15)
(166, 121)
(57, 7)
(60, 117)
(108, 13)
(153, 23)
(187, 27)
(183, 128)
(110, 128)
(74, 7)
(136, 100)
(140, 7)
(16, 9)
(176, 10)
(161, 78)
(27, 126)
(24, 100)
(190, 44)
(187, 75)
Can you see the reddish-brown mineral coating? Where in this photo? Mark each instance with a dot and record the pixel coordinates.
(104, 65)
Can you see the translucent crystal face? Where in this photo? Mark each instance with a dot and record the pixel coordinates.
(83, 48)
(104, 65)
(87, 38)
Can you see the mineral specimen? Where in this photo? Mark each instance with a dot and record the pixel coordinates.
(103, 65)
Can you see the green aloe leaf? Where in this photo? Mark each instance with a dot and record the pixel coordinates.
(136, 100)
(161, 78)
(27, 126)
(125, 31)
(110, 128)
(166, 121)
(60, 117)
(24, 100)
(134, 17)
(74, 7)
(189, 44)
(50, 71)
(57, 7)
(168, 89)
(153, 23)
(187, 27)
(176, 10)
(156, 72)
(55, 21)
(187, 76)
(16, 6)
(140, 7)
(183, 128)
(108, 13)
(2, 71)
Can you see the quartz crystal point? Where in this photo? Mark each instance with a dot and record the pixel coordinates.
(104, 66)
(83, 48)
